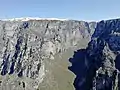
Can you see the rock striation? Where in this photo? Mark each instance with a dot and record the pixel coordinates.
(25, 46)
(30, 51)
(97, 66)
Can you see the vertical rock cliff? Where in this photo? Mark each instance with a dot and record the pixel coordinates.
(33, 52)
(97, 66)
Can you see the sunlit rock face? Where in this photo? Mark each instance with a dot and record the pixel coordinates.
(28, 49)
(99, 62)
(25, 46)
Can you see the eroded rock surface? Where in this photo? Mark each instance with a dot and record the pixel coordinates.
(97, 66)
(27, 48)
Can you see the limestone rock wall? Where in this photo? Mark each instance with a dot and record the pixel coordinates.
(99, 62)
(25, 45)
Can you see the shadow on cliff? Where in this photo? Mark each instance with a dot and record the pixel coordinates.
(80, 69)
(85, 67)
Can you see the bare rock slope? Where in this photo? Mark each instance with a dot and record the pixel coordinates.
(34, 53)
(99, 62)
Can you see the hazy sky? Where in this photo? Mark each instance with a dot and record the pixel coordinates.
(71, 9)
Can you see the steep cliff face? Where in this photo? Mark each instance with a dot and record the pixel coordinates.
(33, 54)
(27, 48)
(99, 62)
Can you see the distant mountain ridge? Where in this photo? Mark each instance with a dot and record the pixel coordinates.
(32, 18)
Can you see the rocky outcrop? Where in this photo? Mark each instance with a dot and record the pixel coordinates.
(28, 49)
(97, 66)
(25, 46)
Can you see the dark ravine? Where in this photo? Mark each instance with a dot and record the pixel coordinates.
(97, 67)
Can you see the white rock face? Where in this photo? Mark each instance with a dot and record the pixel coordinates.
(25, 44)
